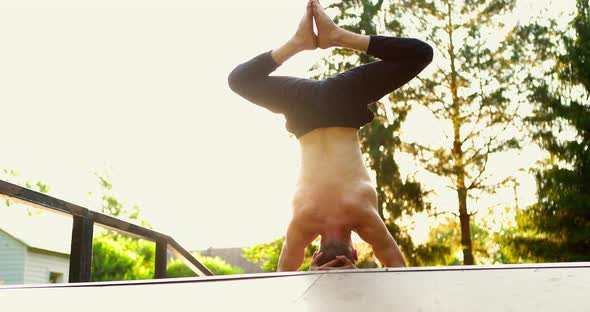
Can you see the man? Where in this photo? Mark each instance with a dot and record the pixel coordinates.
(334, 195)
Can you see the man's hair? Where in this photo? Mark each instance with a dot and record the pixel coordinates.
(332, 248)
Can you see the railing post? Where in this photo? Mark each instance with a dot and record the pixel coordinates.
(161, 258)
(81, 249)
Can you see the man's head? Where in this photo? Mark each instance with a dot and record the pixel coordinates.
(332, 248)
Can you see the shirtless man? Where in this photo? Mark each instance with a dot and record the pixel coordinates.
(334, 195)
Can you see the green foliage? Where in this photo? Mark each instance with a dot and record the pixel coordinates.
(267, 253)
(177, 268)
(218, 266)
(442, 247)
(12, 176)
(112, 206)
(557, 227)
(366, 257)
(444, 244)
(118, 257)
(122, 258)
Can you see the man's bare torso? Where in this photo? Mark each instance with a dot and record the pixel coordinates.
(334, 192)
(334, 197)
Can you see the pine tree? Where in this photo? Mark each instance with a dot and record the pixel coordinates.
(557, 227)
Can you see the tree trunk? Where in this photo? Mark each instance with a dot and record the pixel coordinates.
(458, 151)
(465, 228)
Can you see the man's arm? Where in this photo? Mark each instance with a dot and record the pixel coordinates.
(374, 232)
(293, 253)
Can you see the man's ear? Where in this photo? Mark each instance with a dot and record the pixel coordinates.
(355, 255)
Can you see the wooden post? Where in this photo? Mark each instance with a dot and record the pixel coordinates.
(81, 249)
(161, 259)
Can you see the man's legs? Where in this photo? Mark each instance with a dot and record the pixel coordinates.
(402, 60)
(279, 94)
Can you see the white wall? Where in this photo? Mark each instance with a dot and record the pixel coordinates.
(40, 264)
(12, 255)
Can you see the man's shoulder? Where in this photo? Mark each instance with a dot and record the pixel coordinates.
(301, 232)
(368, 217)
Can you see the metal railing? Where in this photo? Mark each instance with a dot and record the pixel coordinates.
(82, 233)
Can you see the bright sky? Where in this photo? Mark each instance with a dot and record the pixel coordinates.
(139, 88)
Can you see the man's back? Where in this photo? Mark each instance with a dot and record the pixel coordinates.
(334, 192)
(334, 197)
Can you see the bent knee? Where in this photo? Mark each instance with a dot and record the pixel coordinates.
(235, 79)
(427, 52)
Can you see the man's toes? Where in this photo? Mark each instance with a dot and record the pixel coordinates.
(317, 7)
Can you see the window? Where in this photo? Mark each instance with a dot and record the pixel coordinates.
(56, 277)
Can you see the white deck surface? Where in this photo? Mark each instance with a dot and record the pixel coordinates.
(558, 287)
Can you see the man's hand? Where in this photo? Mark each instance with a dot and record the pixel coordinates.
(340, 263)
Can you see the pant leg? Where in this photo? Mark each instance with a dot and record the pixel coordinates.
(402, 59)
(279, 94)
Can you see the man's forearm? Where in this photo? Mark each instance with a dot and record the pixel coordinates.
(290, 260)
(390, 256)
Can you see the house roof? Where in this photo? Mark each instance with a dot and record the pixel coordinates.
(45, 231)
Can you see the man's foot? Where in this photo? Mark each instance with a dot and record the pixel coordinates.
(328, 31)
(305, 38)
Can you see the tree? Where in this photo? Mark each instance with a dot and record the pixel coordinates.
(557, 227)
(267, 253)
(218, 266)
(468, 89)
(446, 243)
(114, 207)
(116, 256)
(121, 258)
(12, 176)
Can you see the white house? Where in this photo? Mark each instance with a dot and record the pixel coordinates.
(23, 262)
